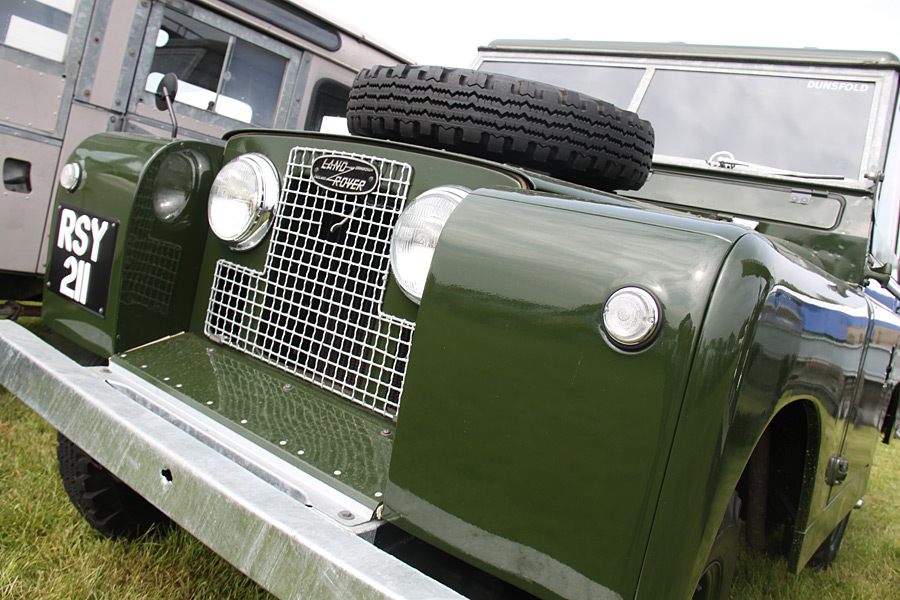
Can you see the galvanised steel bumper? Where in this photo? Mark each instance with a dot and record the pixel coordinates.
(285, 529)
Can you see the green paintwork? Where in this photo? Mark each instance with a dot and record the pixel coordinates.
(830, 228)
(757, 328)
(155, 266)
(517, 403)
(332, 435)
(526, 443)
(430, 169)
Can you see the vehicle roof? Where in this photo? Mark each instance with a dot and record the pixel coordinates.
(349, 29)
(851, 58)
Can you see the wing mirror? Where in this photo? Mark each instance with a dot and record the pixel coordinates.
(165, 96)
(882, 274)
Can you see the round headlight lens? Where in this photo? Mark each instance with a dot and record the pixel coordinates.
(70, 176)
(631, 317)
(177, 175)
(242, 200)
(416, 234)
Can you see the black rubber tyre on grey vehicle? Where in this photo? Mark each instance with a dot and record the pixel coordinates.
(506, 119)
(110, 506)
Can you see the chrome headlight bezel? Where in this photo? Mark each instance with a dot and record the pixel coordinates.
(416, 234)
(631, 318)
(242, 201)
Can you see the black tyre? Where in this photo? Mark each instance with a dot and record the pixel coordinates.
(827, 551)
(110, 506)
(506, 119)
(715, 582)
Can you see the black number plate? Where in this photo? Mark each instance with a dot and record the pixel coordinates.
(81, 257)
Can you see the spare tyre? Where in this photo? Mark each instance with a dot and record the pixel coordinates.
(506, 119)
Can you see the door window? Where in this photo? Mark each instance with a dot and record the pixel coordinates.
(217, 72)
(39, 27)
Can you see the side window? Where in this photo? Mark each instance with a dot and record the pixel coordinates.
(328, 109)
(887, 205)
(217, 72)
(39, 27)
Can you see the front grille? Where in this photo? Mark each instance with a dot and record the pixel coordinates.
(315, 310)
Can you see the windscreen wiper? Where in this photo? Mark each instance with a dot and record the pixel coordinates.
(725, 160)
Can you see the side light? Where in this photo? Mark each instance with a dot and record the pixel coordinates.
(416, 234)
(631, 318)
(70, 176)
(175, 183)
(242, 201)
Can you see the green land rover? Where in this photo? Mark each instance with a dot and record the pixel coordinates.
(504, 340)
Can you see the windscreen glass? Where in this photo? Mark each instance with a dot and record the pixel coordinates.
(792, 123)
(809, 125)
(612, 84)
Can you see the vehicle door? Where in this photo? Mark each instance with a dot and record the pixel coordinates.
(41, 45)
(230, 75)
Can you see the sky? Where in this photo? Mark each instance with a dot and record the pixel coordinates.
(448, 32)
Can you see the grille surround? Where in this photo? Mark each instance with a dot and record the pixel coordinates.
(315, 310)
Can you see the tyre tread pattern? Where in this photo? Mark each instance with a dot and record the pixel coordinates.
(530, 124)
(104, 500)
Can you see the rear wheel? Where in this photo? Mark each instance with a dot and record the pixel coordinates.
(715, 582)
(110, 506)
(506, 119)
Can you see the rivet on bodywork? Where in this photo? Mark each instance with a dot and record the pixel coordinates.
(386, 432)
(243, 421)
(210, 350)
(282, 443)
(378, 494)
(301, 452)
(178, 385)
(287, 387)
(209, 402)
(337, 472)
(143, 366)
(346, 514)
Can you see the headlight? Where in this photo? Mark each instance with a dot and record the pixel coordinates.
(416, 235)
(242, 200)
(631, 317)
(174, 184)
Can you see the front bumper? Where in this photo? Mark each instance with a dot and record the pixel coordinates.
(293, 534)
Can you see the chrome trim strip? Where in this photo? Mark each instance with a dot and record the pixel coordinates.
(287, 547)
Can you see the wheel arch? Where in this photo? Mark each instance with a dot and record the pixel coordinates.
(778, 476)
(742, 385)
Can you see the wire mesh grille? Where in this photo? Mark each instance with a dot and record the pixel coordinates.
(151, 265)
(315, 310)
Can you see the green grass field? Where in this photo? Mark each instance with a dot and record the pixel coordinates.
(48, 552)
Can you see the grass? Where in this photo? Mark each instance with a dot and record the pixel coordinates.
(868, 563)
(48, 551)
